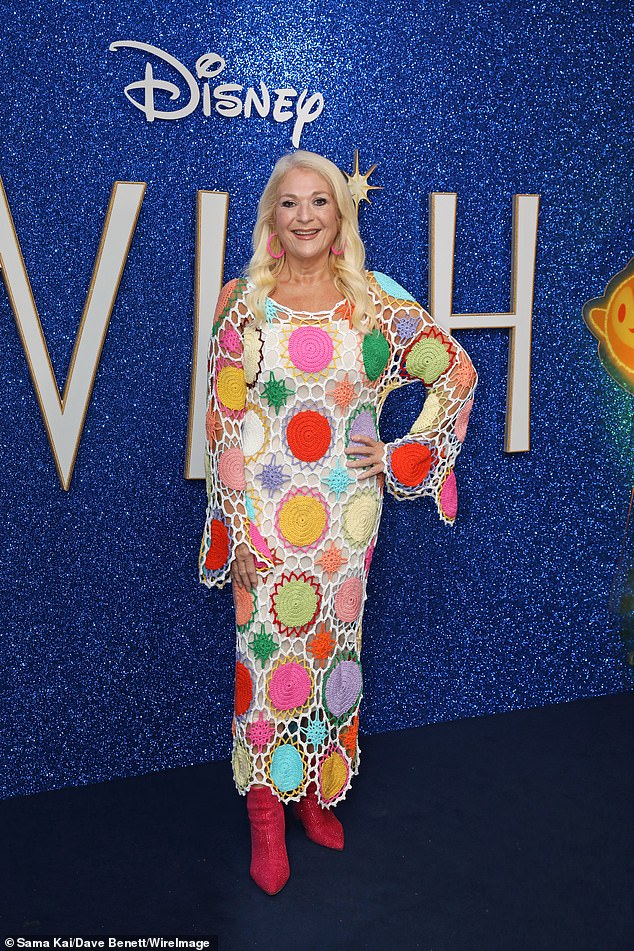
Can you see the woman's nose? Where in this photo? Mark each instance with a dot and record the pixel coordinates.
(304, 211)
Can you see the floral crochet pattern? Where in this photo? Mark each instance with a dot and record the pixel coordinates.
(287, 396)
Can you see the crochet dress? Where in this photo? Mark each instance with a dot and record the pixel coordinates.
(285, 398)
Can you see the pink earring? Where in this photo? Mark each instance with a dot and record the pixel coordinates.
(336, 253)
(268, 247)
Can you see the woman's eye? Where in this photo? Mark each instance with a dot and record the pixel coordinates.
(287, 203)
(320, 201)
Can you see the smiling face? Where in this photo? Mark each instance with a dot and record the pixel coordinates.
(306, 215)
(620, 324)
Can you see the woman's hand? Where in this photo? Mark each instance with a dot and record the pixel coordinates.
(371, 453)
(243, 567)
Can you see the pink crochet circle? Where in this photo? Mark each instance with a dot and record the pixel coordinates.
(310, 349)
(449, 496)
(231, 469)
(462, 421)
(230, 340)
(349, 599)
(289, 686)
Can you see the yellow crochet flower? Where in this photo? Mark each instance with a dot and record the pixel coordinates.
(231, 388)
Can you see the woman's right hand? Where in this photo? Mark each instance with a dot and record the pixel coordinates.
(243, 569)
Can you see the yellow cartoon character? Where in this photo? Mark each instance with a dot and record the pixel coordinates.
(611, 319)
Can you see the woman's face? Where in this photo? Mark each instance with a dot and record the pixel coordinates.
(306, 216)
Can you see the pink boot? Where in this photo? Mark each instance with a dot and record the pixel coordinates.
(269, 861)
(320, 824)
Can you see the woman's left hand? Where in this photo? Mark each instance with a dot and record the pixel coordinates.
(370, 456)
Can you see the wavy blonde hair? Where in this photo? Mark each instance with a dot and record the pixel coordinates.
(347, 269)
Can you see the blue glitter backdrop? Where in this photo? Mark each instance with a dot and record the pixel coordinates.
(114, 660)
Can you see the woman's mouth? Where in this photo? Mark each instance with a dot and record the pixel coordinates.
(306, 233)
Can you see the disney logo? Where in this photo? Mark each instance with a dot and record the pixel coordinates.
(228, 99)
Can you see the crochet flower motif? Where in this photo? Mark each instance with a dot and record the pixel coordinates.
(348, 736)
(241, 764)
(301, 518)
(342, 393)
(295, 603)
(375, 351)
(349, 600)
(407, 326)
(362, 423)
(289, 687)
(316, 731)
(333, 774)
(286, 768)
(230, 340)
(321, 645)
(245, 604)
(251, 353)
(243, 688)
(263, 645)
(230, 387)
(367, 561)
(272, 476)
(338, 480)
(276, 392)
(462, 377)
(332, 559)
(411, 462)
(342, 687)
(214, 552)
(231, 468)
(309, 350)
(429, 414)
(428, 357)
(309, 434)
(213, 425)
(255, 432)
(260, 732)
(360, 517)
(448, 497)
(462, 421)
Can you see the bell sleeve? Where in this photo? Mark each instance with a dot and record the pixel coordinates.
(227, 520)
(422, 462)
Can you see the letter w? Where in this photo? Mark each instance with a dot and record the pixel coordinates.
(64, 417)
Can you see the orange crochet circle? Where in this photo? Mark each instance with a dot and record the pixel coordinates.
(308, 435)
(243, 689)
(243, 601)
(218, 545)
(411, 463)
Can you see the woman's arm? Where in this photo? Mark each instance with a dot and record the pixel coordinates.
(422, 462)
(225, 546)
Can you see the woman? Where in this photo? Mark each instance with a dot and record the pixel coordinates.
(303, 353)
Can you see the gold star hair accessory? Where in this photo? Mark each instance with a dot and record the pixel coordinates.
(358, 183)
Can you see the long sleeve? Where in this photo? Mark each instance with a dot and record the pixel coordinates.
(422, 462)
(227, 520)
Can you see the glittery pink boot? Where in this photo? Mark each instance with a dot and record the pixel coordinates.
(321, 825)
(269, 861)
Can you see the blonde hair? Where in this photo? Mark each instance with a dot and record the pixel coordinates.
(347, 269)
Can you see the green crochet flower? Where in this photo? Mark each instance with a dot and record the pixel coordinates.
(376, 354)
(427, 360)
(296, 603)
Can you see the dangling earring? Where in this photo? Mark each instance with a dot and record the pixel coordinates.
(268, 247)
(337, 253)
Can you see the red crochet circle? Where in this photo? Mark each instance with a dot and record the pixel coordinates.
(308, 435)
(411, 463)
(243, 689)
(218, 545)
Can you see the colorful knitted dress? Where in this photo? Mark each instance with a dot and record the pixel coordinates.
(285, 399)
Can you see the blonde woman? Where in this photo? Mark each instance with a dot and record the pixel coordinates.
(304, 350)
